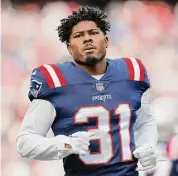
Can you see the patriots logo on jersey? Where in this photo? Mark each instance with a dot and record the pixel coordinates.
(35, 87)
(99, 86)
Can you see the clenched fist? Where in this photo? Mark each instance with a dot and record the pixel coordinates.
(146, 156)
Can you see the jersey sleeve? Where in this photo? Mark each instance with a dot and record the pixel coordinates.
(39, 88)
(137, 71)
(44, 80)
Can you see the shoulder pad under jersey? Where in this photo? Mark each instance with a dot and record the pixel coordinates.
(136, 70)
(44, 80)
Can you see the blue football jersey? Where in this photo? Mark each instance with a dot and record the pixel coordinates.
(83, 103)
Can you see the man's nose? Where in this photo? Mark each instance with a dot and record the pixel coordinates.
(87, 39)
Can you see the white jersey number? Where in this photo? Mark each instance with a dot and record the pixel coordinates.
(103, 118)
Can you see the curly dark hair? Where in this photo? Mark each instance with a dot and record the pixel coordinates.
(85, 13)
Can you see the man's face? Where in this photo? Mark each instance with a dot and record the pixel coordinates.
(87, 41)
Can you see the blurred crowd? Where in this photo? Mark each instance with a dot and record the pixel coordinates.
(148, 31)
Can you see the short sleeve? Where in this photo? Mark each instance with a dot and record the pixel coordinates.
(44, 81)
(38, 86)
(137, 71)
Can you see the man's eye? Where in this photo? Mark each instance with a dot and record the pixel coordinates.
(77, 36)
(94, 32)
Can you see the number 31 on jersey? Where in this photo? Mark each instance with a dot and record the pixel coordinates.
(102, 114)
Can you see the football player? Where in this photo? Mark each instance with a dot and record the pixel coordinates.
(97, 107)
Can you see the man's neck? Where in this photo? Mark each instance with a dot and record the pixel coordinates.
(97, 69)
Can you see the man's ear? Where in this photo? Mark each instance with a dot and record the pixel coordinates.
(69, 48)
(106, 41)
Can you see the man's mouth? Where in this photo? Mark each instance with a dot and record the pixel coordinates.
(89, 48)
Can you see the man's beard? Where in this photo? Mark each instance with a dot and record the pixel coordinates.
(90, 61)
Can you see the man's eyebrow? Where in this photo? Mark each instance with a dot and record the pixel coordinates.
(84, 31)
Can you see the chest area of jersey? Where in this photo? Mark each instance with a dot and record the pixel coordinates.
(108, 95)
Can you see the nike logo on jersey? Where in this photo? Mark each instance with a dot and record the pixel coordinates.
(102, 97)
(34, 72)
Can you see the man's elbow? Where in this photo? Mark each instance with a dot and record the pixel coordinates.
(20, 147)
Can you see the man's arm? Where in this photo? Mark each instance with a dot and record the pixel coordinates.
(145, 128)
(146, 135)
(32, 141)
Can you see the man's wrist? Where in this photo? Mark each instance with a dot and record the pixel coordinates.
(67, 146)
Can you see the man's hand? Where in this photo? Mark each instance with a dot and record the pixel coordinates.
(146, 156)
(79, 142)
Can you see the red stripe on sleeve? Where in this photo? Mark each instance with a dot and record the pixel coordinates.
(59, 75)
(142, 70)
(47, 76)
(130, 68)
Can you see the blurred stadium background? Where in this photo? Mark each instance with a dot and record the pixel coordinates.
(144, 29)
